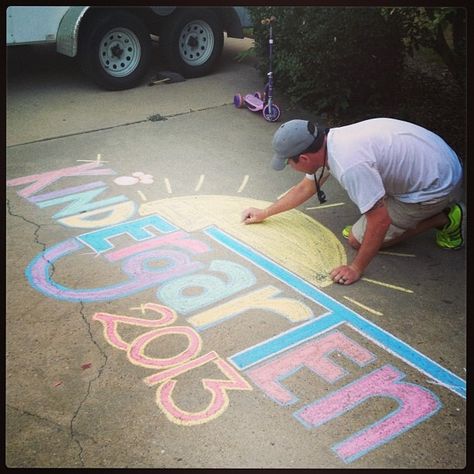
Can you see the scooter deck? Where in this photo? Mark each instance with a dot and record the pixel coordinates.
(253, 103)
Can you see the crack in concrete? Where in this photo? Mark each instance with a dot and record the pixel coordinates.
(75, 435)
(85, 132)
(99, 373)
(36, 237)
(38, 226)
(57, 426)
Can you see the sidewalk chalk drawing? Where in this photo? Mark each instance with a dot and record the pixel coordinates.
(169, 245)
(292, 239)
(138, 177)
(172, 367)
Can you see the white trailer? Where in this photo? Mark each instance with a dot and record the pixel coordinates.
(113, 44)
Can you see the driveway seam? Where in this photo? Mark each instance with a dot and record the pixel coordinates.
(112, 127)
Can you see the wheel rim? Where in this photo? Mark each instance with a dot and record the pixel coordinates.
(196, 43)
(271, 114)
(120, 52)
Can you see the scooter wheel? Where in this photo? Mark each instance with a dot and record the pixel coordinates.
(271, 114)
(258, 95)
(238, 101)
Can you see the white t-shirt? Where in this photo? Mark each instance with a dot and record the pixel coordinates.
(387, 156)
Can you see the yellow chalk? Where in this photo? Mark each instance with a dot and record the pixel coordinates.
(292, 239)
(370, 310)
(398, 254)
(244, 183)
(387, 285)
(325, 206)
(285, 193)
(201, 180)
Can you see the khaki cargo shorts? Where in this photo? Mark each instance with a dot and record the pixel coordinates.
(406, 215)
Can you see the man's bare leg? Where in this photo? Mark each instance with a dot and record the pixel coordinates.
(436, 221)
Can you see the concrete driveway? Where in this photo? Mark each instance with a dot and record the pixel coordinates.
(147, 328)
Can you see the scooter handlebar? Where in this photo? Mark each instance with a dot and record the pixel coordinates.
(267, 21)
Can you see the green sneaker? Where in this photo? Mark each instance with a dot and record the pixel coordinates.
(346, 231)
(451, 236)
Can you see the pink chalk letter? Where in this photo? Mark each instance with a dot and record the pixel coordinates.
(219, 397)
(313, 355)
(178, 239)
(111, 322)
(39, 181)
(136, 351)
(416, 404)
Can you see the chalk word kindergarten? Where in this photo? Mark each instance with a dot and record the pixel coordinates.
(155, 253)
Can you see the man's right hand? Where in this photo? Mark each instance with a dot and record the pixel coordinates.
(253, 215)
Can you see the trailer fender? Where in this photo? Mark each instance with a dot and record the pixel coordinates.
(68, 31)
(163, 11)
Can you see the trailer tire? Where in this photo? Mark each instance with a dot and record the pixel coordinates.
(115, 50)
(191, 41)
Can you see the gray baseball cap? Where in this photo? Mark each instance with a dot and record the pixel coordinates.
(290, 139)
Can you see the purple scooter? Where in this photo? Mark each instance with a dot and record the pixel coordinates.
(258, 101)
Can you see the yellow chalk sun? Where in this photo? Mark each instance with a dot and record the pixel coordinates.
(292, 239)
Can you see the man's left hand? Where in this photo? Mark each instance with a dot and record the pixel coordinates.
(345, 275)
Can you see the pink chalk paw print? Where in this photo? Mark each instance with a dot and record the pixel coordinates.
(137, 178)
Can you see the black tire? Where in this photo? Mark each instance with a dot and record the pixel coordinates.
(103, 49)
(191, 41)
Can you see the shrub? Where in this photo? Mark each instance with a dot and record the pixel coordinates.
(441, 29)
(331, 58)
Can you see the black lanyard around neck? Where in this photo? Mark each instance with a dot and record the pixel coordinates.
(321, 195)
